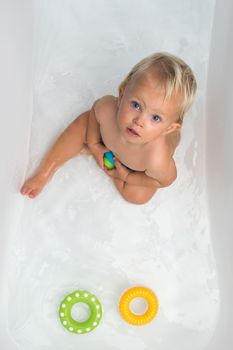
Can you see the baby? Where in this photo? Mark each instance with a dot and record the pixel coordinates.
(141, 127)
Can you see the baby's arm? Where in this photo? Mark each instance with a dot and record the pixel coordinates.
(139, 178)
(136, 186)
(93, 130)
(94, 140)
(163, 176)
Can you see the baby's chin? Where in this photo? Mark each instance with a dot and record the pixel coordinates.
(132, 140)
(138, 142)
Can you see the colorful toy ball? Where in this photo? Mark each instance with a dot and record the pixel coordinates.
(109, 160)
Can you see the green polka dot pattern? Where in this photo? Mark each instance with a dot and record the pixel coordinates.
(80, 296)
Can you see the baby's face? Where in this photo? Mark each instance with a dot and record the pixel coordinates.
(143, 114)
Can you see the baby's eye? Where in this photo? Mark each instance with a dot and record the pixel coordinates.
(156, 118)
(135, 105)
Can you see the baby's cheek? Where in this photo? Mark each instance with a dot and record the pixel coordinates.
(121, 118)
(125, 116)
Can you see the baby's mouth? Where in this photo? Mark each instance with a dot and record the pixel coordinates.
(132, 132)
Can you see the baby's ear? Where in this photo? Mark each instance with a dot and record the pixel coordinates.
(121, 93)
(173, 127)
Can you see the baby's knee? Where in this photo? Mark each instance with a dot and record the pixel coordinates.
(137, 200)
(139, 196)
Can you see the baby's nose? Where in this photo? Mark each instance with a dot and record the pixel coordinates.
(139, 120)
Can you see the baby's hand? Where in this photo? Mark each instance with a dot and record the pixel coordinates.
(98, 154)
(120, 172)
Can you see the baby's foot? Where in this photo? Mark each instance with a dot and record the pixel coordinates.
(33, 186)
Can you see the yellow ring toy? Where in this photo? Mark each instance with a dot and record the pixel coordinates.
(138, 292)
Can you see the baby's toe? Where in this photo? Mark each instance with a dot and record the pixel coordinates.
(33, 193)
(25, 190)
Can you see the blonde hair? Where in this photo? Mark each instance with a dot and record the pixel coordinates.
(174, 74)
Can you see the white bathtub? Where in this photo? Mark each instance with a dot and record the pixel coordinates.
(216, 163)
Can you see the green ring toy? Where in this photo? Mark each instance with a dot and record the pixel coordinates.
(80, 296)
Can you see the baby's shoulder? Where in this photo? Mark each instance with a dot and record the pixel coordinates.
(161, 166)
(105, 107)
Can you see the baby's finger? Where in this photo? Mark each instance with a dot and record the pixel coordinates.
(117, 163)
(101, 165)
(110, 173)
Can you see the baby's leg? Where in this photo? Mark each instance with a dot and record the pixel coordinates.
(68, 145)
(134, 194)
